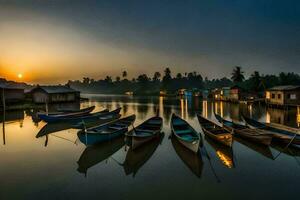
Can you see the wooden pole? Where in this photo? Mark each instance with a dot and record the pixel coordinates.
(3, 128)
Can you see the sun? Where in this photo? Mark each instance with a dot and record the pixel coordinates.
(20, 75)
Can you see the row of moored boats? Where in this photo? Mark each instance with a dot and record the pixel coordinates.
(111, 125)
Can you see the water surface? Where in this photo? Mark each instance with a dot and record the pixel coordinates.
(60, 167)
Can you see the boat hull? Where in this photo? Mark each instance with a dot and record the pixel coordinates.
(193, 146)
(91, 139)
(225, 139)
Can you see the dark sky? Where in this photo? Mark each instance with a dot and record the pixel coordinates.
(99, 37)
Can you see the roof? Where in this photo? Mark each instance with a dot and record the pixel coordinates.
(285, 87)
(10, 86)
(56, 89)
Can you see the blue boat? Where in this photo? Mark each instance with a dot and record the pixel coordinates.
(105, 132)
(77, 119)
(52, 117)
(185, 133)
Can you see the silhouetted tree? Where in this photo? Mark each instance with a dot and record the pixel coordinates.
(156, 76)
(124, 74)
(237, 75)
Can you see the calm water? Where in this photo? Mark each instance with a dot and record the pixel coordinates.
(60, 167)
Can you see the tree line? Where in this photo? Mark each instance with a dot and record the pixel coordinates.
(145, 85)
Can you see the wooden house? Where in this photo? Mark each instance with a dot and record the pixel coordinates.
(11, 93)
(288, 95)
(54, 94)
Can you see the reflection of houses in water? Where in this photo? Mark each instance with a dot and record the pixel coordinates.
(288, 117)
(288, 95)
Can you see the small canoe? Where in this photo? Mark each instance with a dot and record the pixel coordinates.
(106, 132)
(215, 131)
(284, 135)
(87, 117)
(89, 121)
(193, 161)
(51, 117)
(185, 133)
(67, 115)
(145, 132)
(245, 132)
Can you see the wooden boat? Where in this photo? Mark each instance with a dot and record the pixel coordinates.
(89, 117)
(224, 153)
(145, 132)
(245, 132)
(193, 161)
(261, 149)
(185, 133)
(86, 122)
(106, 132)
(92, 155)
(52, 117)
(283, 134)
(215, 131)
(135, 159)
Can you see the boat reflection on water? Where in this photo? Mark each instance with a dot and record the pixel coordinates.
(193, 161)
(135, 159)
(224, 153)
(92, 155)
(290, 150)
(261, 149)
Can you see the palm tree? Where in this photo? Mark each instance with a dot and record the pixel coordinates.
(124, 74)
(156, 76)
(237, 75)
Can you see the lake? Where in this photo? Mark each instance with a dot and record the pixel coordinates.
(61, 167)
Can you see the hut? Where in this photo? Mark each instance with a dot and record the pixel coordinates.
(225, 94)
(288, 95)
(11, 93)
(54, 94)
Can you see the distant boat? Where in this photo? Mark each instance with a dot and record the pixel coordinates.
(224, 153)
(52, 117)
(145, 132)
(135, 159)
(215, 131)
(245, 132)
(280, 133)
(192, 161)
(105, 132)
(185, 133)
(92, 155)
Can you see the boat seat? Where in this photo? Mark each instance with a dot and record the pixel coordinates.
(183, 132)
(178, 123)
(189, 137)
(144, 130)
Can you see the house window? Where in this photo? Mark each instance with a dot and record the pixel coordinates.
(273, 96)
(292, 96)
(279, 96)
(268, 94)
